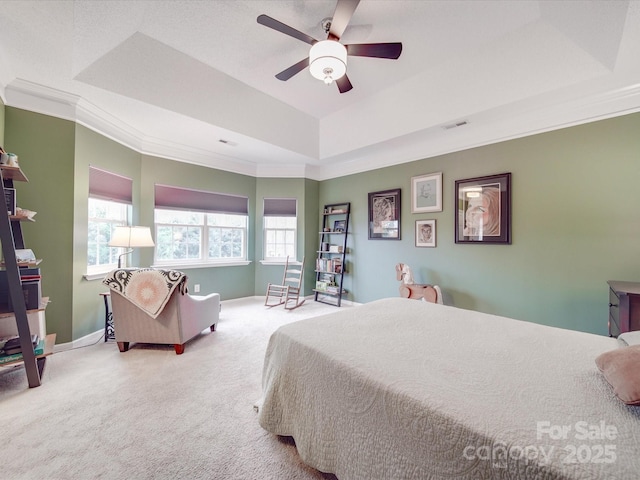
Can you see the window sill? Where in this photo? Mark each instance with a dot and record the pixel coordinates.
(185, 266)
(279, 262)
(95, 276)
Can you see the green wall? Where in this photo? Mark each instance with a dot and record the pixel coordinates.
(306, 191)
(575, 222)
(93, 149)
(45, 149)
(575, 225)
(1, 122)
(311, 229)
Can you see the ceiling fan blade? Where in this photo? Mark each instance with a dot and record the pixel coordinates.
(344, 85)
(286, 29)
(293, 69)
(377, 50)
(341, 17)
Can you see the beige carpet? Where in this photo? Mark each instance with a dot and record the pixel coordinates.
(150, 414)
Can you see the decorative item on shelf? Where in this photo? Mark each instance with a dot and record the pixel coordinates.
(25, 255)
(339, 226)
(321, 286)
(335, 248)
(337, 265)
(10, 199)
(130, 238)
(24, 213)
(12, 160)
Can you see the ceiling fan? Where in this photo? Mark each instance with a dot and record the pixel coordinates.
(327, 59)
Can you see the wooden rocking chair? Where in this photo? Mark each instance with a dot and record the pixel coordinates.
(287, 293)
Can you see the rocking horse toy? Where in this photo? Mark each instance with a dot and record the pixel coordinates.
(410, 289)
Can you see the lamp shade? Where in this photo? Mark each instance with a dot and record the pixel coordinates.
(130, 237)
(328, 60)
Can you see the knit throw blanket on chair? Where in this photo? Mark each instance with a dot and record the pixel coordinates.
(147, 288)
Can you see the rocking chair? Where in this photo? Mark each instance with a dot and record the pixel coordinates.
(287, 293)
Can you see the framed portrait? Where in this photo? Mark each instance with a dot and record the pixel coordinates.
(426, 193)
(425, 233)
(483, 209)
(339, 226)
(10, 198)
(384, 215)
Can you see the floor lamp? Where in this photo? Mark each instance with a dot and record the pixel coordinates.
(130, 238)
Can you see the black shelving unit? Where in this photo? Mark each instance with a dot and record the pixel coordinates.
(11, 238)
(331, 262)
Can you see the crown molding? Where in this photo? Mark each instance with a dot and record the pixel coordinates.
(534, 116)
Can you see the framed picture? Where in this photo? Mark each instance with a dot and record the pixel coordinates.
(384, 215)
(483, 209)
(425, 233)
(339, 226)
(10, 198)
(426, 193)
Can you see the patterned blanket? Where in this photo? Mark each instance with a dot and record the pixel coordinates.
(147, 288)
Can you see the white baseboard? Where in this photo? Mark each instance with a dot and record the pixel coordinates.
(91, 339)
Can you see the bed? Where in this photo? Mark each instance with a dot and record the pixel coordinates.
(401, 389)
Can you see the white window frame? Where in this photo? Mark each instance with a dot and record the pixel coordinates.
(204, 228)
(275, 230)
(113, 222)
(284, 213)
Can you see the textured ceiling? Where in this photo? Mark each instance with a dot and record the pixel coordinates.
(173, 78)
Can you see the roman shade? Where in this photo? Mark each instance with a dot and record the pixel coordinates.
(280, 207)
(177, 198)
(109, 186)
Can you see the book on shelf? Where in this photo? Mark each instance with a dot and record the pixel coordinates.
(38, 350)
(330, 265)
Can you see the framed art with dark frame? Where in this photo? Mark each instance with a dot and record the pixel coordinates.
(384, 215)
(339, 226)
(425, 233)
(483, 209)
(426, 193)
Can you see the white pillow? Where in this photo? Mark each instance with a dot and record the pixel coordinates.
(630, 338)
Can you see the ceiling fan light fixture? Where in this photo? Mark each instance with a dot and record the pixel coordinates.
(328, 60)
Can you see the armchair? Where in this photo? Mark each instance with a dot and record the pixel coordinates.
(182, 317)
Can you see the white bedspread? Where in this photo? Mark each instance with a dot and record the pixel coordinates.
(399, 389)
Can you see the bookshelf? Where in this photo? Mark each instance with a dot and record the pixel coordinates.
(331, 263)
(15, 303)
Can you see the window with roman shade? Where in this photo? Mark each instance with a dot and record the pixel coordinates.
(280, 229)
(110, 198)
(197, 226)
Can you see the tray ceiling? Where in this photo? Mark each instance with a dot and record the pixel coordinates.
(194, 80)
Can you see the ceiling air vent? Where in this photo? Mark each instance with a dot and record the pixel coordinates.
(455, 125)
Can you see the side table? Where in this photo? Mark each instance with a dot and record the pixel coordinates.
(109, 331)
(624, 307)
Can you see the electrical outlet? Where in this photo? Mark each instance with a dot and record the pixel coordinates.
(196, 288)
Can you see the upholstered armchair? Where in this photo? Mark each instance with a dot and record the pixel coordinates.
(175, 319)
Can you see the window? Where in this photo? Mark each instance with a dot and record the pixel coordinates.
(109, 207)
(199, 227)
(280, 229)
